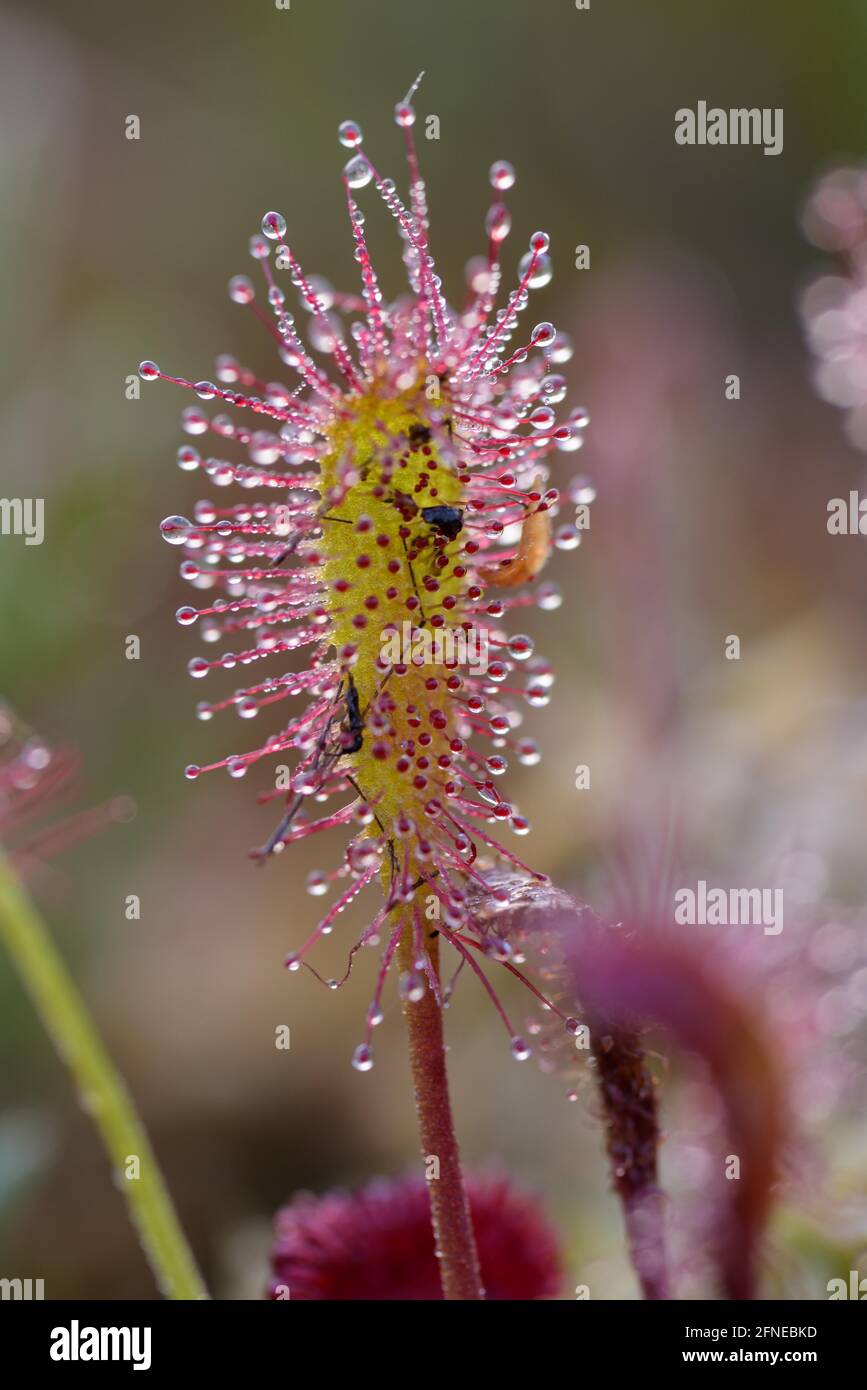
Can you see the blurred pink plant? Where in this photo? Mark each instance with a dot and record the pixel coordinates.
(35, 781)
(834, 305)
(377, 1243)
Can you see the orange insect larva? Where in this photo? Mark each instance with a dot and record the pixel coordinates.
(534, 547)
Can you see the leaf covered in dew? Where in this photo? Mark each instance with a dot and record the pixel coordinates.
(391, 506)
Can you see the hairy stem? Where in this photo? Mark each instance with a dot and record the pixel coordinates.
(632, 1137)
(101, 1090)
(450, 1208)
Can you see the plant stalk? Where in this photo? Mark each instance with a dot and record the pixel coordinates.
(101, 1090)
(450, 1209)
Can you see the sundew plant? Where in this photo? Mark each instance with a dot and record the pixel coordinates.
(398, 509)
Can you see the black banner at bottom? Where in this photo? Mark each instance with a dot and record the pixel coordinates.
(78, 1339)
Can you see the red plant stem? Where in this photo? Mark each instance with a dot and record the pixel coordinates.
(632, 1138)
(650, 977)
(450, 1209)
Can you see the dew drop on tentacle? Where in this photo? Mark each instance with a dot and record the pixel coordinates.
(412, 987)
(498, 222)
(189, 459)
(349, 134)
(241, 289)
(502, 175)
(362, 1057)
(567, 538)
(274, 225)
(317, 884)
(542, 269)
(581, 491)
(175, 529)
(358, 172)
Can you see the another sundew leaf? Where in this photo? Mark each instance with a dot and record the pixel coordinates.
(631, 979)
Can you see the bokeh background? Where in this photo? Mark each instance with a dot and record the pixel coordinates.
(710, 521)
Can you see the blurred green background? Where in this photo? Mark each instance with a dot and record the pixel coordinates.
(710, 520)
